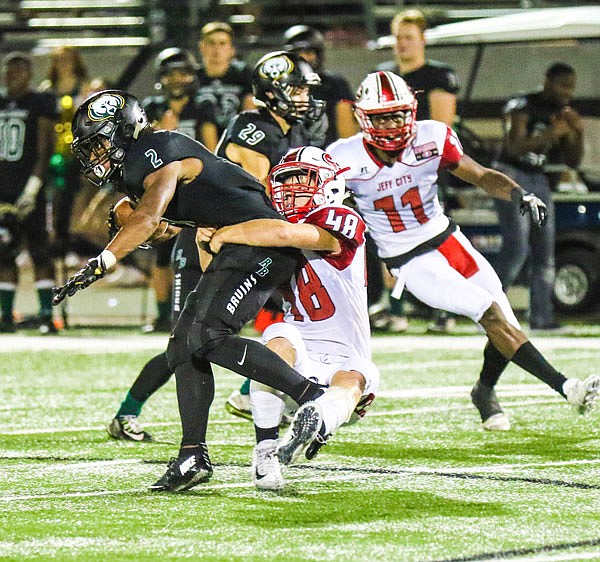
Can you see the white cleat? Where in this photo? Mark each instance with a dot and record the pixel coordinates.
(265, 466)
(582, 394)
(303, 429)
(497, 422)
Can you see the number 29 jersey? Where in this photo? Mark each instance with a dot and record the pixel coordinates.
(400, 203)
(327, 297)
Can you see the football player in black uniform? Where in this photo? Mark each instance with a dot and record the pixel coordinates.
(223, 80)
(173, 177)
(277, 126)
(176, 108)
(258, 139)
(335, 90)
(27, 123)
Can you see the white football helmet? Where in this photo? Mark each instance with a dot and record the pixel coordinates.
(306, 178)
(386, 109)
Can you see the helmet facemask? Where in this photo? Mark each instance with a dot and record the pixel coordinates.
(386, 109)
(300, 183)
(95, 151)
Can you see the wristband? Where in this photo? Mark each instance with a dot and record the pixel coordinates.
(107, 258)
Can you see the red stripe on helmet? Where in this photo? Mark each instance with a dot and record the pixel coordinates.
(387, 92)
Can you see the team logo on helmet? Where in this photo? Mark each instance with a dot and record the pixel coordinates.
(276, 67)
(105, 106)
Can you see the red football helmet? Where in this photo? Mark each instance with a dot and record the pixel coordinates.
(306, 178)
(386, 109)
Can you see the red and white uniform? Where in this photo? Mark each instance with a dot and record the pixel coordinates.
(326, 317)
(400, 206)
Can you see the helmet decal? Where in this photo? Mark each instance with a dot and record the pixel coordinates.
(277, 67)
(105, 107)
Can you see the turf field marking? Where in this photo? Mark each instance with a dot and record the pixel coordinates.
(318, 478)
(397, 344)
(512, 554)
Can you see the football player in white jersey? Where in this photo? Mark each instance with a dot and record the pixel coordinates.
(393, 174)
(325, 334)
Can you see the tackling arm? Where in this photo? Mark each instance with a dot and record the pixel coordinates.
(276, 233)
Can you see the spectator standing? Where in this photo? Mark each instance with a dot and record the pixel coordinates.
(534, 125)
(28, 120)
(436, 86)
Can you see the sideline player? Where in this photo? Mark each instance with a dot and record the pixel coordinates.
(326, 329)
(27, 123)
(171, 176)
(394, 164)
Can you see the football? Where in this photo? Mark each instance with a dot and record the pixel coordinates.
(123, 210)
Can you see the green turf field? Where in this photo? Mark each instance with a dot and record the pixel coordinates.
(417, 480)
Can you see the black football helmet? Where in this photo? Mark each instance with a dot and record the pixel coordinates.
(172, 59)
(104, 127)
(304, 38)
(274, 80)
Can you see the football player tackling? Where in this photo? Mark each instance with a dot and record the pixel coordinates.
(325, 333)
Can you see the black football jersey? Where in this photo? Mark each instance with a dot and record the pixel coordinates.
(18, 138)
(258, 131)
(222, 194)
(433, 75)
(333, 89)
(226, 92)
(192, 115)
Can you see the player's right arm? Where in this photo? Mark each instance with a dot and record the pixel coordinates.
(276, 233)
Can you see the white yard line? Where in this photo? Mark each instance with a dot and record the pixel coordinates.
(445, 392)
(321, 477)
(400, 344)
(208, 487)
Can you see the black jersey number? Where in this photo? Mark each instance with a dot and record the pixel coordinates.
(251, 135)
(12, 139)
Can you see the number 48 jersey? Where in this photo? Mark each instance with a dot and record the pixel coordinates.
(327, 298)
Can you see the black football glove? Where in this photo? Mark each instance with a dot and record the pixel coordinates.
(94, 270)
(536, 208)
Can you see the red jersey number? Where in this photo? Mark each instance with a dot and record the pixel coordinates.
(312, 294)
(411, 199)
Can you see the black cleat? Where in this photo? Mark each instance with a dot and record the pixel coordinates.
(492, 415)
(315, 446)
(185, 473)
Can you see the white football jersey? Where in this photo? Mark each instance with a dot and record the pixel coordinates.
(327, 298)
(400, 203)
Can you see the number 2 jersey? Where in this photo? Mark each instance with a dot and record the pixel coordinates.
(400, 203)
(327, 298)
